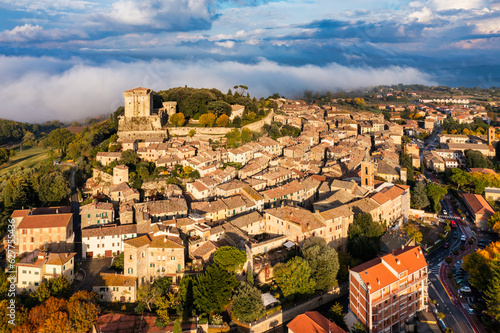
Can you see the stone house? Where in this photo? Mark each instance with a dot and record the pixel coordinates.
(152, 256)
(112, 287)
(97, 213)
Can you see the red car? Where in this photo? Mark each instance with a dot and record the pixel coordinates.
(453, 224)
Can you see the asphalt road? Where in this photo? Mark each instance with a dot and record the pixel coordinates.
(454, 317)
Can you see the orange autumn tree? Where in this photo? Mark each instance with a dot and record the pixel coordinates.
(477, 264)
(78, 314)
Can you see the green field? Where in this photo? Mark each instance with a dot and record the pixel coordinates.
(27, 158)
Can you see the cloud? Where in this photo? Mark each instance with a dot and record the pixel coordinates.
(81, 90)
(458, 4)
(171, 15)
(29, 33)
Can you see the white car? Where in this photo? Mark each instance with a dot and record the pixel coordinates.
(465, 290)
(445, 212)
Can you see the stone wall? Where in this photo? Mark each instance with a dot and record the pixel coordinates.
(257, 126)
(284, 316)
(141, 135)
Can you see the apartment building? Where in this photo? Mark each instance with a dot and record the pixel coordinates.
(54, 232)
(386, 291)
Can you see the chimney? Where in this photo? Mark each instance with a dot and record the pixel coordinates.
(397, 261)
(165, 239)
(57, 210)
(402, 247)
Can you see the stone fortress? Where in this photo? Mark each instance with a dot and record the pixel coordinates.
(140, 120)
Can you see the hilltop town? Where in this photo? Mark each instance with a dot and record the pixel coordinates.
(169, 194)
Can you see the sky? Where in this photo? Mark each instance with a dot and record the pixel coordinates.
(72, 59)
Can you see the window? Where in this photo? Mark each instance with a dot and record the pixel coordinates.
(88, 216)
(102, 290)
(24, 282)
(130, 271)
(36, 284)
(172, 258)
(37, 273)
(24, 271)
(130, 257)
(163, 258)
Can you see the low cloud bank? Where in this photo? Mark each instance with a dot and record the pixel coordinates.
(41, 89)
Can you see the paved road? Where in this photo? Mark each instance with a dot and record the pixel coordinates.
(454, 318)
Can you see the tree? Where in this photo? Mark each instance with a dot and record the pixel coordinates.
(163, 284)
(207, 119)
(475, 159)
(237, 121)
(233, 138)
(246, 135)
(364, 237)
(492, 295)
(413, 232)
(358, 328)
(219, 108)
(222, 121)
(337, 315)
(186, 295)
(147, 295)
(60, 139)
(83, 310)
(57, 287)
(247, 303)
(212, 290)
(230, 258)
(177, 119)
(119, 262)
(323, 261)
(129, 158)
(494, 222)
(177, 326)
(419, 197)
(405, 162)
(436, 193)
(192, 133)
(4, 155)
(53, 187)
(294, 277)
(459, 177)
(477, 265)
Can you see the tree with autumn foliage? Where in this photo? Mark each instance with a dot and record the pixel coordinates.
(494, 222)
(207, 119)
(177, 119)
(55, 315)
(222, 121)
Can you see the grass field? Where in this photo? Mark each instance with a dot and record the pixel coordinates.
(27, 158)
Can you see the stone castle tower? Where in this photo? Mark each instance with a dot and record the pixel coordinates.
(120, 174)
(138, 102)
(169, 107)
(367, 175)
(491, 135)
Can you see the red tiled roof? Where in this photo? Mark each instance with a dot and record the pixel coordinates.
(313, 322)
(45, 221)
(478, 204)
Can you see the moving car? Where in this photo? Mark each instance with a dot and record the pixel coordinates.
(453, 224)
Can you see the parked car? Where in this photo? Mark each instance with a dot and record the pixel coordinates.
(446, 245)
(465, 290)
(462, 238)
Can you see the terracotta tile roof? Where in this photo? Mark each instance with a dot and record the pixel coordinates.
(331, 214)
(299, 216)
(97, 205)
(478, 204)
(377, 274)
(208, 207)
(204, 251)
(20, 213)
(59, 258)
(313, 322)
(109, 230)
(169, 242)
(45, 221)
(115, 280)
(138, 241)
(246, 219)
(483, 170)
(119, 187)
(233, 202)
